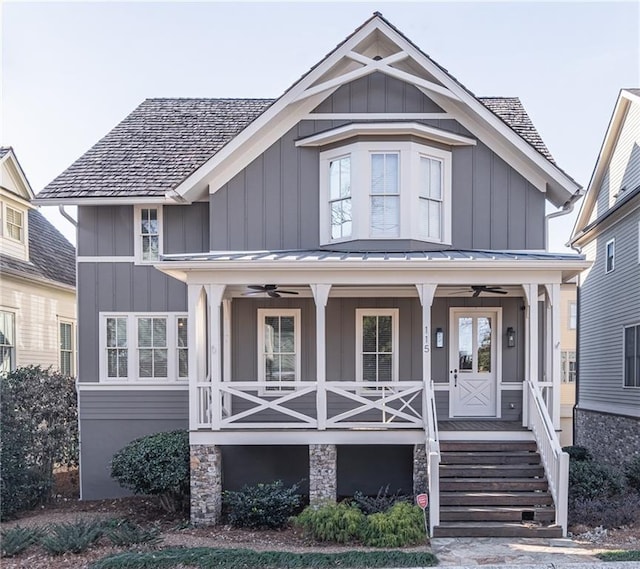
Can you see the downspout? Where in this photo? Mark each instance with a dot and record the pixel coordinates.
(567, 208)
(64, 214)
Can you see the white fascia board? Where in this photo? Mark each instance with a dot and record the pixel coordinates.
(416, 129)
(18, 200)
(125, 200)
(604, 156)
(13, 160)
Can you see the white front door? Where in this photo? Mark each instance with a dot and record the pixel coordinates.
(473, 366)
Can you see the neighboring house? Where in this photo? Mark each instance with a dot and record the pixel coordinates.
(335, 286)
(607, 231)
(568, 327)
(37, 280)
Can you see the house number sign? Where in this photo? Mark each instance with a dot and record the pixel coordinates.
(426, 339)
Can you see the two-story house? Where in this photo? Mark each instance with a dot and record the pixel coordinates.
(348, 285)
(37, 280)
(607, 231)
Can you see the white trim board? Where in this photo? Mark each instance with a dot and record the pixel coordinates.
(133, 386)
(105, 259)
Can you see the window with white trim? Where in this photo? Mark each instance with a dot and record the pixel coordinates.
(14, 220)
(632, 356)
(144, 347)
(278, 347)
(7, 341)
(67, 352)
(573, 315)
(385, 190)
(148, 233)
(568, 366)
(376, 345)
(610, 254)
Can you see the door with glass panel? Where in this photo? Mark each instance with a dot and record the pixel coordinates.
(473, 366)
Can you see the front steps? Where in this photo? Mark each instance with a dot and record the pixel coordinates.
(494, 489)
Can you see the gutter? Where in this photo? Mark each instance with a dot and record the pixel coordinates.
(567, 208)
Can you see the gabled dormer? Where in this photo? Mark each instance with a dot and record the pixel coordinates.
(15, 202)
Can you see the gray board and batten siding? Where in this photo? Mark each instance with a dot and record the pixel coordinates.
(608, 302)
(273, 203)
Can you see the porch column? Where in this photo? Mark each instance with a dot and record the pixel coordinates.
(531, 370)
(196, 300)
(321, 296)
(215, 292)
(553, 292)
(226, 350)
(426, 293)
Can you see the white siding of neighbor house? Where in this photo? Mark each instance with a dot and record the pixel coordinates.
(623, 170)
(38, 311)
(608, 302)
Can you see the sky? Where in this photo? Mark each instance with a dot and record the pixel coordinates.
(71, 71)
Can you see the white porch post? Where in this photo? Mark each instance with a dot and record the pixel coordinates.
(531, 373)
(215, 292)
(426, 293)
(553, 292)
(194, 341)
(321, 296)
(226, 350)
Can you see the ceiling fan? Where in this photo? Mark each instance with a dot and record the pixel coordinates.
(270, 289)
(479, 289)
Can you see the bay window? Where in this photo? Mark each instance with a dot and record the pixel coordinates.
(340, 197)
(385, 195)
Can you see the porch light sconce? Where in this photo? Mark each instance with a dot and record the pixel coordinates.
(439, 338)
(511, 337)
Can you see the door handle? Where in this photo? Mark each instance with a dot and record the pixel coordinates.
(455, 377)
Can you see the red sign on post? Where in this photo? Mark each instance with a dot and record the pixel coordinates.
(422, 500)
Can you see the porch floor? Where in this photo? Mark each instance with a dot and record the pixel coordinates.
(480, 425)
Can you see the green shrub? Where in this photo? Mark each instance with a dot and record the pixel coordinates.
(615, 512)
(339, 523)
(126, 533)
(379, 503)
(401, 525)
(632, 473)
(262, 506)
(589, 480)
(577, 453)
(39, 424)
(156, 465)
(73, 537)
(17, 539)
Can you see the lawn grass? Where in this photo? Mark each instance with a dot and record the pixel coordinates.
(620, 555)
(209, 558)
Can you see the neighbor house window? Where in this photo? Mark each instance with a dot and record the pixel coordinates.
(340, 197)
(573, 315)
(66, 348)
(278, 347)
(568, 367)
(7, 342)
(385, 195)
(632, 356)
(14, 221)
(145, 347)
(377, 346)
(610, 254)
(148, 223)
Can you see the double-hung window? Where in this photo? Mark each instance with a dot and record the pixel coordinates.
(14, 221)
(66, 348)
(278, 347)
(340, 197)
(7, 342)
(610, 256)
(385, 194)
(568, 365)
(377, 346)
(430, 197)
(632, 356)
(573, 315)
(148, 233)
(144, 347)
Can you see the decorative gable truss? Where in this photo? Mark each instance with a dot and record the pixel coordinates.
(377, 47)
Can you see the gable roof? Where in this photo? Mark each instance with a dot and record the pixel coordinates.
(626, 98)
(10, 165)
(51, 257)
(158, 160)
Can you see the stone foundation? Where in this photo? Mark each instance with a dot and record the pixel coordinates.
(323, 474)
(206, 485)
(612, 439)
(420, 473)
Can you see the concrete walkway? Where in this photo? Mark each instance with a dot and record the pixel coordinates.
(519, 553)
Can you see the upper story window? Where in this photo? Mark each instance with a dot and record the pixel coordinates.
(385, 190)
(610, 254)
(7, 342)
(148, 233)
(632, 356)
(573, 315)
(14, 224)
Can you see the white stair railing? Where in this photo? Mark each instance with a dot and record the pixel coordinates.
(555, 461)
(433, 456)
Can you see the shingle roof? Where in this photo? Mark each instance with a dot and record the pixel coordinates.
(155, 148)
(52, 257)
(4, 150)
(164, 140)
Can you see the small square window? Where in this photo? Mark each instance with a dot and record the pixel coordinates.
(14, 221)
(610, 253)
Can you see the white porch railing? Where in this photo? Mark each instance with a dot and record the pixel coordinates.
(287, 405)
(555, 461)
(433, 456)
